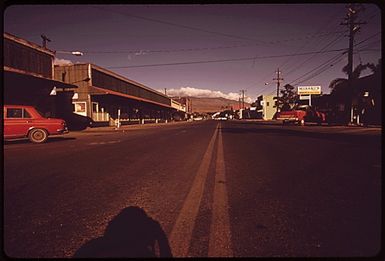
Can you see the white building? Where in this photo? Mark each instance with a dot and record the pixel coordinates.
(266, 106)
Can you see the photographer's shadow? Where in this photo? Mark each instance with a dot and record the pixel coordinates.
(130, 234)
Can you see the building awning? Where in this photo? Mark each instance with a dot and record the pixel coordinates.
(104, 91)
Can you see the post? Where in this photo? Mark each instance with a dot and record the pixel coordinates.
(278, 79)
(353, 29)
(118, 124)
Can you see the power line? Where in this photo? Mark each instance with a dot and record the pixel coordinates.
(223, 60)
(205, 48)
(193, 28)
(321, 70)
(328, 61)
(368, 38)
(177, 25)
(321, 51)
(330, 20)
(308, 59)
(369, 45)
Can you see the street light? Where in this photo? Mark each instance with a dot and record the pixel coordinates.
(76, 53)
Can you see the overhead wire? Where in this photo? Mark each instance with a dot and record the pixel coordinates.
(330, 20)
(321, 51)
(323, 27)
(366, 39)
(321, 70)
(222, 60)
(308, 59)
(321, 65)
(146, 51)
(176, 25)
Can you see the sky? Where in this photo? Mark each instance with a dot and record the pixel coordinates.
(212, 50)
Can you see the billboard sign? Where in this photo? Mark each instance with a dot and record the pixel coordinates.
(308, 90)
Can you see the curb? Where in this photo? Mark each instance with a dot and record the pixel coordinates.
(128, 127)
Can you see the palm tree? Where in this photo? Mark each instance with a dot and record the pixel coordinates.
(344, 93)
(339, 83)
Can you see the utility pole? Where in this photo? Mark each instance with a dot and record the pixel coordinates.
(278, 79)
(165, 91)
(354, 27)
(243, 98)
(45, 40)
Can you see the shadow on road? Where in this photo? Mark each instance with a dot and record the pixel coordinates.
(347, 137)
(130, 234)
(49, 140)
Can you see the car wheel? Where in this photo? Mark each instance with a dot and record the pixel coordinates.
(38, 135)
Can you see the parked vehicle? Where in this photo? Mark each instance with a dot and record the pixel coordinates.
(302, 114)
(26, 122)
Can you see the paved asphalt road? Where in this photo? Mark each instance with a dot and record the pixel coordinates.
(216, 188)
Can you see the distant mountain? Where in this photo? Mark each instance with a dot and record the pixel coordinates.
(205, 105)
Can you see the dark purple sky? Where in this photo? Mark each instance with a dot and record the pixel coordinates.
(114, 36)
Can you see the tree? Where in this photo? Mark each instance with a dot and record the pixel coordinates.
(340, 85)
(349, 95)
(288, 98)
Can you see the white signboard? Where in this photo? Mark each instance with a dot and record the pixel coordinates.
(308, 90)
(304, 97)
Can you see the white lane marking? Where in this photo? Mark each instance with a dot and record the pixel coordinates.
(181, 233)
(220, 233)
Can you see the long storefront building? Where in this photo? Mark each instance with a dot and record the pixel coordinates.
(28, 78)
(106, 96)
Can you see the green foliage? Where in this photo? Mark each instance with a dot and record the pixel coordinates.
(340, 85)
(288, 98)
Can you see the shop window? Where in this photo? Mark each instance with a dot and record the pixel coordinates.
(95, 107)
(80, 107)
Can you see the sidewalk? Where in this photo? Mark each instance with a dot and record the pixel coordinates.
(277, 122)
(129, 127)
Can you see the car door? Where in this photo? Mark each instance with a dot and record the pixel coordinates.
(17, 122)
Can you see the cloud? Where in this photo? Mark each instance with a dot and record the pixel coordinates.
(59, 61)
(204, 93)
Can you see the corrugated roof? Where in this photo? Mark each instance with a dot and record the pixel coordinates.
(28, 44)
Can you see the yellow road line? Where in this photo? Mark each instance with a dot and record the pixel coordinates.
(181, 233)
(220, 235)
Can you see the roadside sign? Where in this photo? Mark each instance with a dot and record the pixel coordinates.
(304, 97)
(308, 90)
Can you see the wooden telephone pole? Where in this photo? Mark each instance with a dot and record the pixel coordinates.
(354, 27)
(278, 79)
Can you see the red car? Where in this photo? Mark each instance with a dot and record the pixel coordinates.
(26, 122)
(302, 114)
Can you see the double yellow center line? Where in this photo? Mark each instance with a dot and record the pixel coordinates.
(220, 235)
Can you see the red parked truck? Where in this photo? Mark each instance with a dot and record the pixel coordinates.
(302, 114)
(26, 122)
